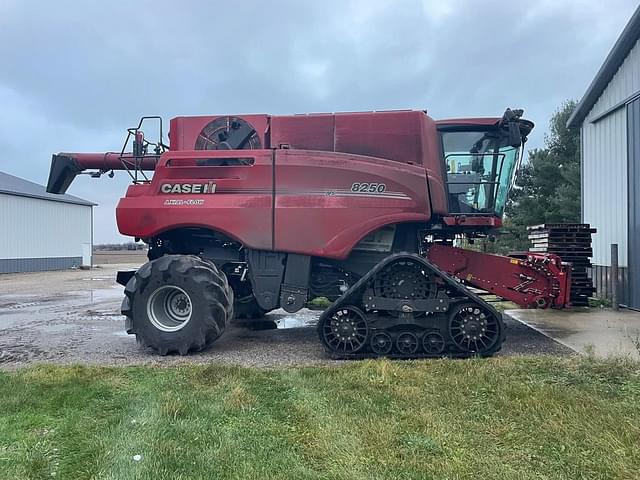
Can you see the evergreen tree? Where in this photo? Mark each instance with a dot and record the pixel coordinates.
(548, 184)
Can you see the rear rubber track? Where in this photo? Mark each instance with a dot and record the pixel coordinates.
(406, 308)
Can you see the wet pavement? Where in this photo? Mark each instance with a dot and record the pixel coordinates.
(74, 316)
(601, 332)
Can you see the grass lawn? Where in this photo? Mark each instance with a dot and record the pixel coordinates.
(503, 418)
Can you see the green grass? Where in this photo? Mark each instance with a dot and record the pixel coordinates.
(501, 418)
(319, 303)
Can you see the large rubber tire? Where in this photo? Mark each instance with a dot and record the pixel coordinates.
(206, 288)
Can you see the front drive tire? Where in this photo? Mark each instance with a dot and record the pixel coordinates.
(177, 303)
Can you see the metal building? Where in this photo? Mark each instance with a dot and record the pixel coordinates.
(609, 119)
(41, 231)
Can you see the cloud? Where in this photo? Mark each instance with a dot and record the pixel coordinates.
(74, 77)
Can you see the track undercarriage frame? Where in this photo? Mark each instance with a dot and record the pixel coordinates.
(405, 307)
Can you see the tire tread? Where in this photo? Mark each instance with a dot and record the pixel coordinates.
(214, 287)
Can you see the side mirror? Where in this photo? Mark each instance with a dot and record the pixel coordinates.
(515, 137)
(510, 118)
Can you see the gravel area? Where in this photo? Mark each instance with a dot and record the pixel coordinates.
(110, 257)
(74, 317)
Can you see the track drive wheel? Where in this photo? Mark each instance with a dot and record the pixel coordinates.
(177, 303)
(346, 331)
(404, 280)
(475, 330)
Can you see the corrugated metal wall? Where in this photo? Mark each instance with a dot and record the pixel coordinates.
(604, 184)
(604, 149)
(20, 265)
(605, 193)
(41, 229)
(624, 83)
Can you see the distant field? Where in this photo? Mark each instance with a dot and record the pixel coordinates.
(119, 256)
(502, 418)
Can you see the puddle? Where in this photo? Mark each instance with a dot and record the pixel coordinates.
(124, 334)
(23, 303)
(100, 294)
(105, 314)
(13, 301)
(22, 296)
(59, 327)
(303, 318)
(97, 279)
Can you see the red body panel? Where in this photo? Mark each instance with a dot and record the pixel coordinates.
(308, 192)
(403, 136)
(316, 211)
(241, 207)
(319, 213)
(407, 136)
(476, 221)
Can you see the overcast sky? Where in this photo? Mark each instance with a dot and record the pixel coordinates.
(74, 75)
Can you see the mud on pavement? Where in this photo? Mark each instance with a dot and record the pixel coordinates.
(73, 316)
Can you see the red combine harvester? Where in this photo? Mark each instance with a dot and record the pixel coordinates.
(245, 214)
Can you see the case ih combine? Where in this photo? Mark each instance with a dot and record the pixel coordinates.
(245, 214)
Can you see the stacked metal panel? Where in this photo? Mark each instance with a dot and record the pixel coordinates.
(572, 243)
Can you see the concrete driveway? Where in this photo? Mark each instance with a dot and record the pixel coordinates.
(602, 332)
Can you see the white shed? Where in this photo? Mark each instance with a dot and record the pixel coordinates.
(609, 119)
(41, 231)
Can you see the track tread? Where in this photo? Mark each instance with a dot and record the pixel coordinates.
(436, 321)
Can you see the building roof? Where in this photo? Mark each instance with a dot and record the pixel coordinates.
(12, 185)
(619, 52)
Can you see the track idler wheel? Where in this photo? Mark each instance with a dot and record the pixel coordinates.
(346, 331)
(381, 343)
(407, 343)
(474, 329)
(433, 343)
